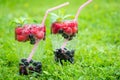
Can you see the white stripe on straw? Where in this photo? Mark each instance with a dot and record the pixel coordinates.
(43, 22)
(80, 8)
(52, 9)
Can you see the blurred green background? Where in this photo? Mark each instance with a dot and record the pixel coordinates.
(98, 52)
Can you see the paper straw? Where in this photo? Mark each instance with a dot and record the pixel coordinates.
(80, 8)
(43, 22)
(75, 19)
(52, 9)
(64, 44)
(33, 51)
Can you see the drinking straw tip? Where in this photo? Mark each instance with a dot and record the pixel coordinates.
(67, 3)
(80, 8)
(90, 0)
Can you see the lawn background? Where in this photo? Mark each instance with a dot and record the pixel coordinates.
(97, 54)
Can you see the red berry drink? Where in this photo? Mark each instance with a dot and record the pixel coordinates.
(68, 29)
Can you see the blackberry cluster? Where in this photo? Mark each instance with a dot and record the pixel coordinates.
(26, 67)
(32, 39)
(64, 54)
(69, 37)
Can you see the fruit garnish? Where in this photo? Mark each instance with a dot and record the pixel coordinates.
(65, 27)
(30, 32)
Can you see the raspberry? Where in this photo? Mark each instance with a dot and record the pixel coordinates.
(21, 38)
(68, 31)
(56, 26)
(30, 32)
(66, 28)
(18, 31)
(40, 35)
(34, 31)
(26, 32)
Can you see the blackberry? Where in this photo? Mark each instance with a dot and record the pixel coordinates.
(31, 61)
(65, 36)
(71, 60)
(32, 39)
(60, 50)
(23, 60)
(70, 38)
(65, 55)
(31, 36)
(39, 66)
(68, 53)
(26, 67)
(65, 48)
(31, 68)
(26, 63)
(34, 63)
(72, 53)
(38, 70)
(22, 69)
(60, 31)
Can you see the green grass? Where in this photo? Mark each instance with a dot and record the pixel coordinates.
(97, 54)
